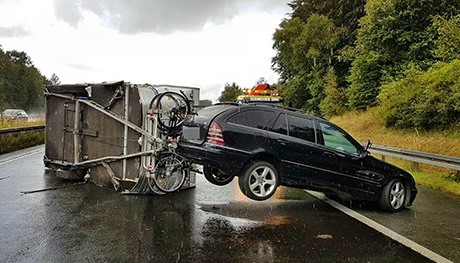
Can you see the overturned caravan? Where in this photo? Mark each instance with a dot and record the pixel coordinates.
(119, 134)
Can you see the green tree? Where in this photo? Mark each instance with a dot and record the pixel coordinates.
(335, 99)
(230, 93)
(393, 35)
(344, 14)
(55, 80)
(448, 42)
(21, 83)
(305, 51)
(261, 81)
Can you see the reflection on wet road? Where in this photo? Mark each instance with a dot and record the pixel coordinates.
(206, 224)
(433, 221)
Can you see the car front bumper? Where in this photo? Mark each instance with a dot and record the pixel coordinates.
(413, 194)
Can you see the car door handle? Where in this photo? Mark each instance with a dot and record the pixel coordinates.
(283, 142)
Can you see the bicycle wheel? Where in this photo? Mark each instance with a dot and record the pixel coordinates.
(170, 108)
(169, 173)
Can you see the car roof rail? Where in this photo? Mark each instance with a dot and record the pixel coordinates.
(228, 103)
(289, 109)
(273, 106)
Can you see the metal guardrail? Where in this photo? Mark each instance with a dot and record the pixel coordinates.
(444, 161)
(19, 130)
(438, 160)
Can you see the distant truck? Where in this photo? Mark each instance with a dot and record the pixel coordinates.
(262, 93)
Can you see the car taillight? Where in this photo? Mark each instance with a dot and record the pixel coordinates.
(215, 134)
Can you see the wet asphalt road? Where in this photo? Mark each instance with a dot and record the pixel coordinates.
(433, 221)
(87, 223)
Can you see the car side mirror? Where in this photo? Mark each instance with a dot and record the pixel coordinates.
(368, 145)
(366, 148)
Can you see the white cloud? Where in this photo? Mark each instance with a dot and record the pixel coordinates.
(160, 16)
(89, 50)
(13, 31)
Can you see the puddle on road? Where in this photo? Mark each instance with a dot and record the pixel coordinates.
(205, 221)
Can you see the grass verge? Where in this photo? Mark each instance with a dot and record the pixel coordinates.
(445, 180)
(366, 125)
(21, 141)
(9, 124)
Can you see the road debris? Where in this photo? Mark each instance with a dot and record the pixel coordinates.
(52, 188)
(324, 236)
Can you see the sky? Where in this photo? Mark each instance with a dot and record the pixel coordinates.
(197, 43)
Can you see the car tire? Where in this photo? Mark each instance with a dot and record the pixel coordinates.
(259, 181)
(393, 196)
(214, 176)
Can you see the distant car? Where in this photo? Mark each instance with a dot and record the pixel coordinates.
(15, 115)
(267, 146)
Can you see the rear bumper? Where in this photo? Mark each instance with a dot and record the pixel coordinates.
(229, 160)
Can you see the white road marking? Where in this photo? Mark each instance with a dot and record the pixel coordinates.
(388, 232)
(14, 158)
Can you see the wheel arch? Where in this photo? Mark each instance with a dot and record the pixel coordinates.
(251, 185)
(407, 187)
(267, 157)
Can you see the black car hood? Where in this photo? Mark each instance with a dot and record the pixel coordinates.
(388, 170)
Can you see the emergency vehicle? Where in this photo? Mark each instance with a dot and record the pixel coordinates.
(262, 93)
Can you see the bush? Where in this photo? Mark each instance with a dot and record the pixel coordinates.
(426, 100)
(453, 177)
(21, 141)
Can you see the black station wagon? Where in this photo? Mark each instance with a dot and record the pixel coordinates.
(267, 146)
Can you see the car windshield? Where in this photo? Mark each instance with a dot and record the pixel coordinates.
(9, 112)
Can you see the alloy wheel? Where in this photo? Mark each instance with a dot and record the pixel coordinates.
(397, 195)
(262, 181)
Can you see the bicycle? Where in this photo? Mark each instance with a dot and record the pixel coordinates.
(167, 112)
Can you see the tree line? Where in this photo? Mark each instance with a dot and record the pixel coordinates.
(401, 56)
(21, 83)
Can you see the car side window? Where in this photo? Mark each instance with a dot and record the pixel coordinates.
(253, 118)
(336, 139)
(301, 128)
(280, 125)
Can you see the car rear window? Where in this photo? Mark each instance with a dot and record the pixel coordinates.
(212, 111)
(260, 119)
(301, 128)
